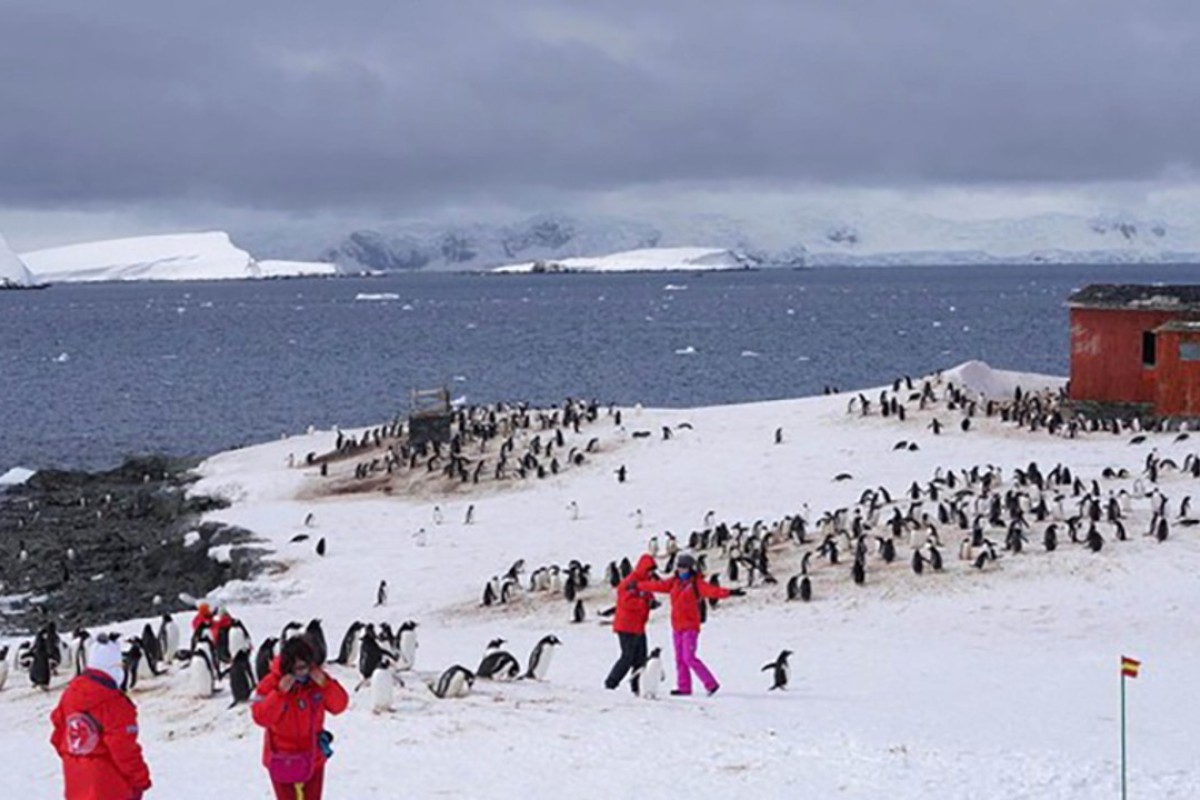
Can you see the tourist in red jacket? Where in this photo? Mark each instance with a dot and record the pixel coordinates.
(204, 615)
(629, 623)
(291, 703)
(687, 587)
(96, 732)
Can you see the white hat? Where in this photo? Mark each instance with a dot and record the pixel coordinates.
(106, 657)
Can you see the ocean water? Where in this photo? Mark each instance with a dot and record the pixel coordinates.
(92, 373)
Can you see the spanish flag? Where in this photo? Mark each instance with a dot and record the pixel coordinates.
(1129, 667)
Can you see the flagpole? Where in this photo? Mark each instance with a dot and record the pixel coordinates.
(1123, 789)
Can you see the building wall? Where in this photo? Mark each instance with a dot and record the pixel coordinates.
(1178, 390)
(1106, 354)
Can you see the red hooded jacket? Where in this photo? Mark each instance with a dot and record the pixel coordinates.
(95, 734)
(685, 598)
(633, 604)
(293, 719)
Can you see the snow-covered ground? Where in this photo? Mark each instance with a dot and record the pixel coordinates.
(651, 259)
(1001, 683)
(13, 271)
(172, 257)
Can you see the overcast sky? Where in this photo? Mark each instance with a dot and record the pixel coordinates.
(161, 112)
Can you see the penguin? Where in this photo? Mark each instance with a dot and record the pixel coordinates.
(407, 645)
(79, 651)
(383, 687)
(438, 517)
(381, 594)
(780, 671)
(498, 665)
(168, 637)
(241, 679)
(779, 436)
(346, 651)
(262, 661)
(454, 682)
(135, 666)
(935, 558)
(539, 659)
(370, 656)
(3, 666)
(1050, 538)
(201, 678)
(578, 614)
(858, 571)
(239, 639)
(469, 519)
(650, 676)
(316, 637)
(918, 562)
(39, 667)
(321, 546)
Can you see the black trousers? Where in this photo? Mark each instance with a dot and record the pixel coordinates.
(633, 656)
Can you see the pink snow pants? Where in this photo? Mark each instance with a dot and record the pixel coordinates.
(686, 662)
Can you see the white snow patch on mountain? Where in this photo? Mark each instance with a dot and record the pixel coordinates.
(651, 259)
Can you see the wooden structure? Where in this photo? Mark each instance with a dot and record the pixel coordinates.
(430, 416)
(1136, 349)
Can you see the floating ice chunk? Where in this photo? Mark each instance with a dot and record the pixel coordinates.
(675, 287)
(750, 354)
(686, 351)
(61, 358)
(365, 296)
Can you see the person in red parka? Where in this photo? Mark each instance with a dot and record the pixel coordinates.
(291, 703)
(686, 587)
(629, 623)
(96, 732)
(204, 615)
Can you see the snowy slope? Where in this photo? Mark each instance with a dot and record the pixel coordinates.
(962, 684)
(13, 271)
(660, 259)
(174, 257)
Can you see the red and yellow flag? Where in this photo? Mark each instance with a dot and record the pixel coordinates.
(1129, 667)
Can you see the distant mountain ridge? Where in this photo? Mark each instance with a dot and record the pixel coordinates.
(890, 238)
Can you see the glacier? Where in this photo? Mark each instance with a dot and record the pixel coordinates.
(813, 237)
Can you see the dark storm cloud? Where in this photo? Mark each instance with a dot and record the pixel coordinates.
(402, 102)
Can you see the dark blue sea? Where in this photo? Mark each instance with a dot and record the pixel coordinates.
(92, 373)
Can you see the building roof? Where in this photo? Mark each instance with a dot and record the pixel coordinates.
(1137, 296)
(1179, 326)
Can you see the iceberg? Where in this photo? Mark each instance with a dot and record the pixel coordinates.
(13, 272)
(173, 257)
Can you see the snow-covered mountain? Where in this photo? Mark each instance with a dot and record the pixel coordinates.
(812, 237)
(652, 259)
(174, 257)
(13, 272)
(483, 246)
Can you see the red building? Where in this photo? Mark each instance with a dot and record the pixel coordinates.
(1136, 349)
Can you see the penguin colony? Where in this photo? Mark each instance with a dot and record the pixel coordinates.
(378, 653)
(977, 514)
(489, 444)
(966, 519)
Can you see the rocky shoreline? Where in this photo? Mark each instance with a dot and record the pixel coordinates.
(84, 548)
